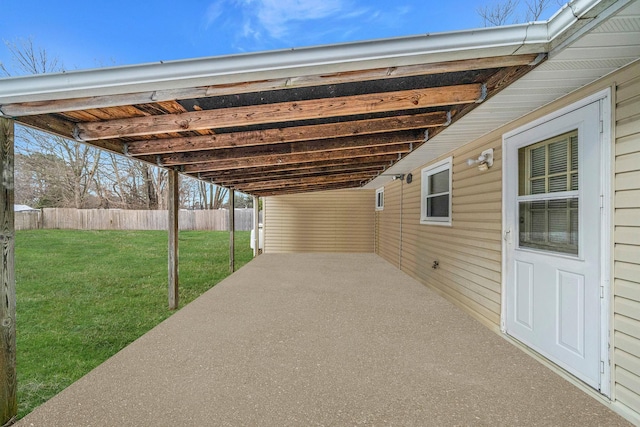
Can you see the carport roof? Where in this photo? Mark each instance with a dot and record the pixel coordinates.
(296, 120)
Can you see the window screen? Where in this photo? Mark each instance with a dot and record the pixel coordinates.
(548, 195)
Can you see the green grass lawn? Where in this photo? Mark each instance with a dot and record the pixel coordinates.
(84, 295)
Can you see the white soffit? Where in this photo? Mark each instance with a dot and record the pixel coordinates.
(609, 46)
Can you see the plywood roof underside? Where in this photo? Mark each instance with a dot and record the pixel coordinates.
(311, 133)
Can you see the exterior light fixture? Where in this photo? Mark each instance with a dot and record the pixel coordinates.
(399, 176)
(484, 160)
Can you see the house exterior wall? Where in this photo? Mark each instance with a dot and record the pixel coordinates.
(327, 221)
(626, 235)
(469, 252)
(387, 225)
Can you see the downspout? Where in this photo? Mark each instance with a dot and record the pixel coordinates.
(256, 226)
(401, 203)
(376, 219)
(232, 230)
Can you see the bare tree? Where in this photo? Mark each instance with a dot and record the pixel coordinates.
(156, 181)
(203, 195)
(536, 8)
(83, 161)
(69, 168)
(506, 11)
(130, 184)
(243, 201)
(499, 13)
(219, 196)
(28, 59)
(64, 168)
(37, 181)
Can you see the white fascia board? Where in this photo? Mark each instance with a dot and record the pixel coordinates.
(534, 37)
(394, 52)
(574, 11)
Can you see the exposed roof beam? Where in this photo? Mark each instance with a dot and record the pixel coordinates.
(311, 147)
(282, 112)
(286, 183)
(240, 178)
(267, 160)
(93, 102)
(291, 189)
(287, 134)
(382, 161)
(326, 179)
(64, 129)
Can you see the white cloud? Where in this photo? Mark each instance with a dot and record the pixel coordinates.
(392, 18)
(277, 16)
(249, 31)
(213, 12)
(264, 23)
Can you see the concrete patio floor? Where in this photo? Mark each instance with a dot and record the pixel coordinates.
(321, 340)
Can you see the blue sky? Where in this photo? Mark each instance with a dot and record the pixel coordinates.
(90, 34)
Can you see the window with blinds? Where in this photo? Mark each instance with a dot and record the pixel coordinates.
(548, 194)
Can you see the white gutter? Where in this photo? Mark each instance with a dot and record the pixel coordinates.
(394, 52)
(422, 49)
(577, 18)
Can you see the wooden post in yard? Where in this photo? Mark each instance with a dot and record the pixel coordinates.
(256, 226)
(8, 378)
(232, 229)
(174, 210)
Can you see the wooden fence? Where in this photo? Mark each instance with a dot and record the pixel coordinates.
(28, 220)
(120, 219)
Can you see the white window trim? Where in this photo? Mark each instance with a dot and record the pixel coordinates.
(446, 164)
(380, 191)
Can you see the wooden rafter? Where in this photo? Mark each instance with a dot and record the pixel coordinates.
(266, 171)
(310, 147)
(327, 179)
(267, 160)
(311, 177)
(282, 112)
(293, 189)
(241, 178)
(287, 134)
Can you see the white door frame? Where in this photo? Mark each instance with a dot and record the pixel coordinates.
(604, 98)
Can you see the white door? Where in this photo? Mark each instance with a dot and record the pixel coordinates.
(553, 239)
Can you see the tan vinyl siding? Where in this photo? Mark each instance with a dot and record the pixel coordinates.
(626, 268)
(470, 251)
(328, 221)
(388, 224)
(467, 252)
